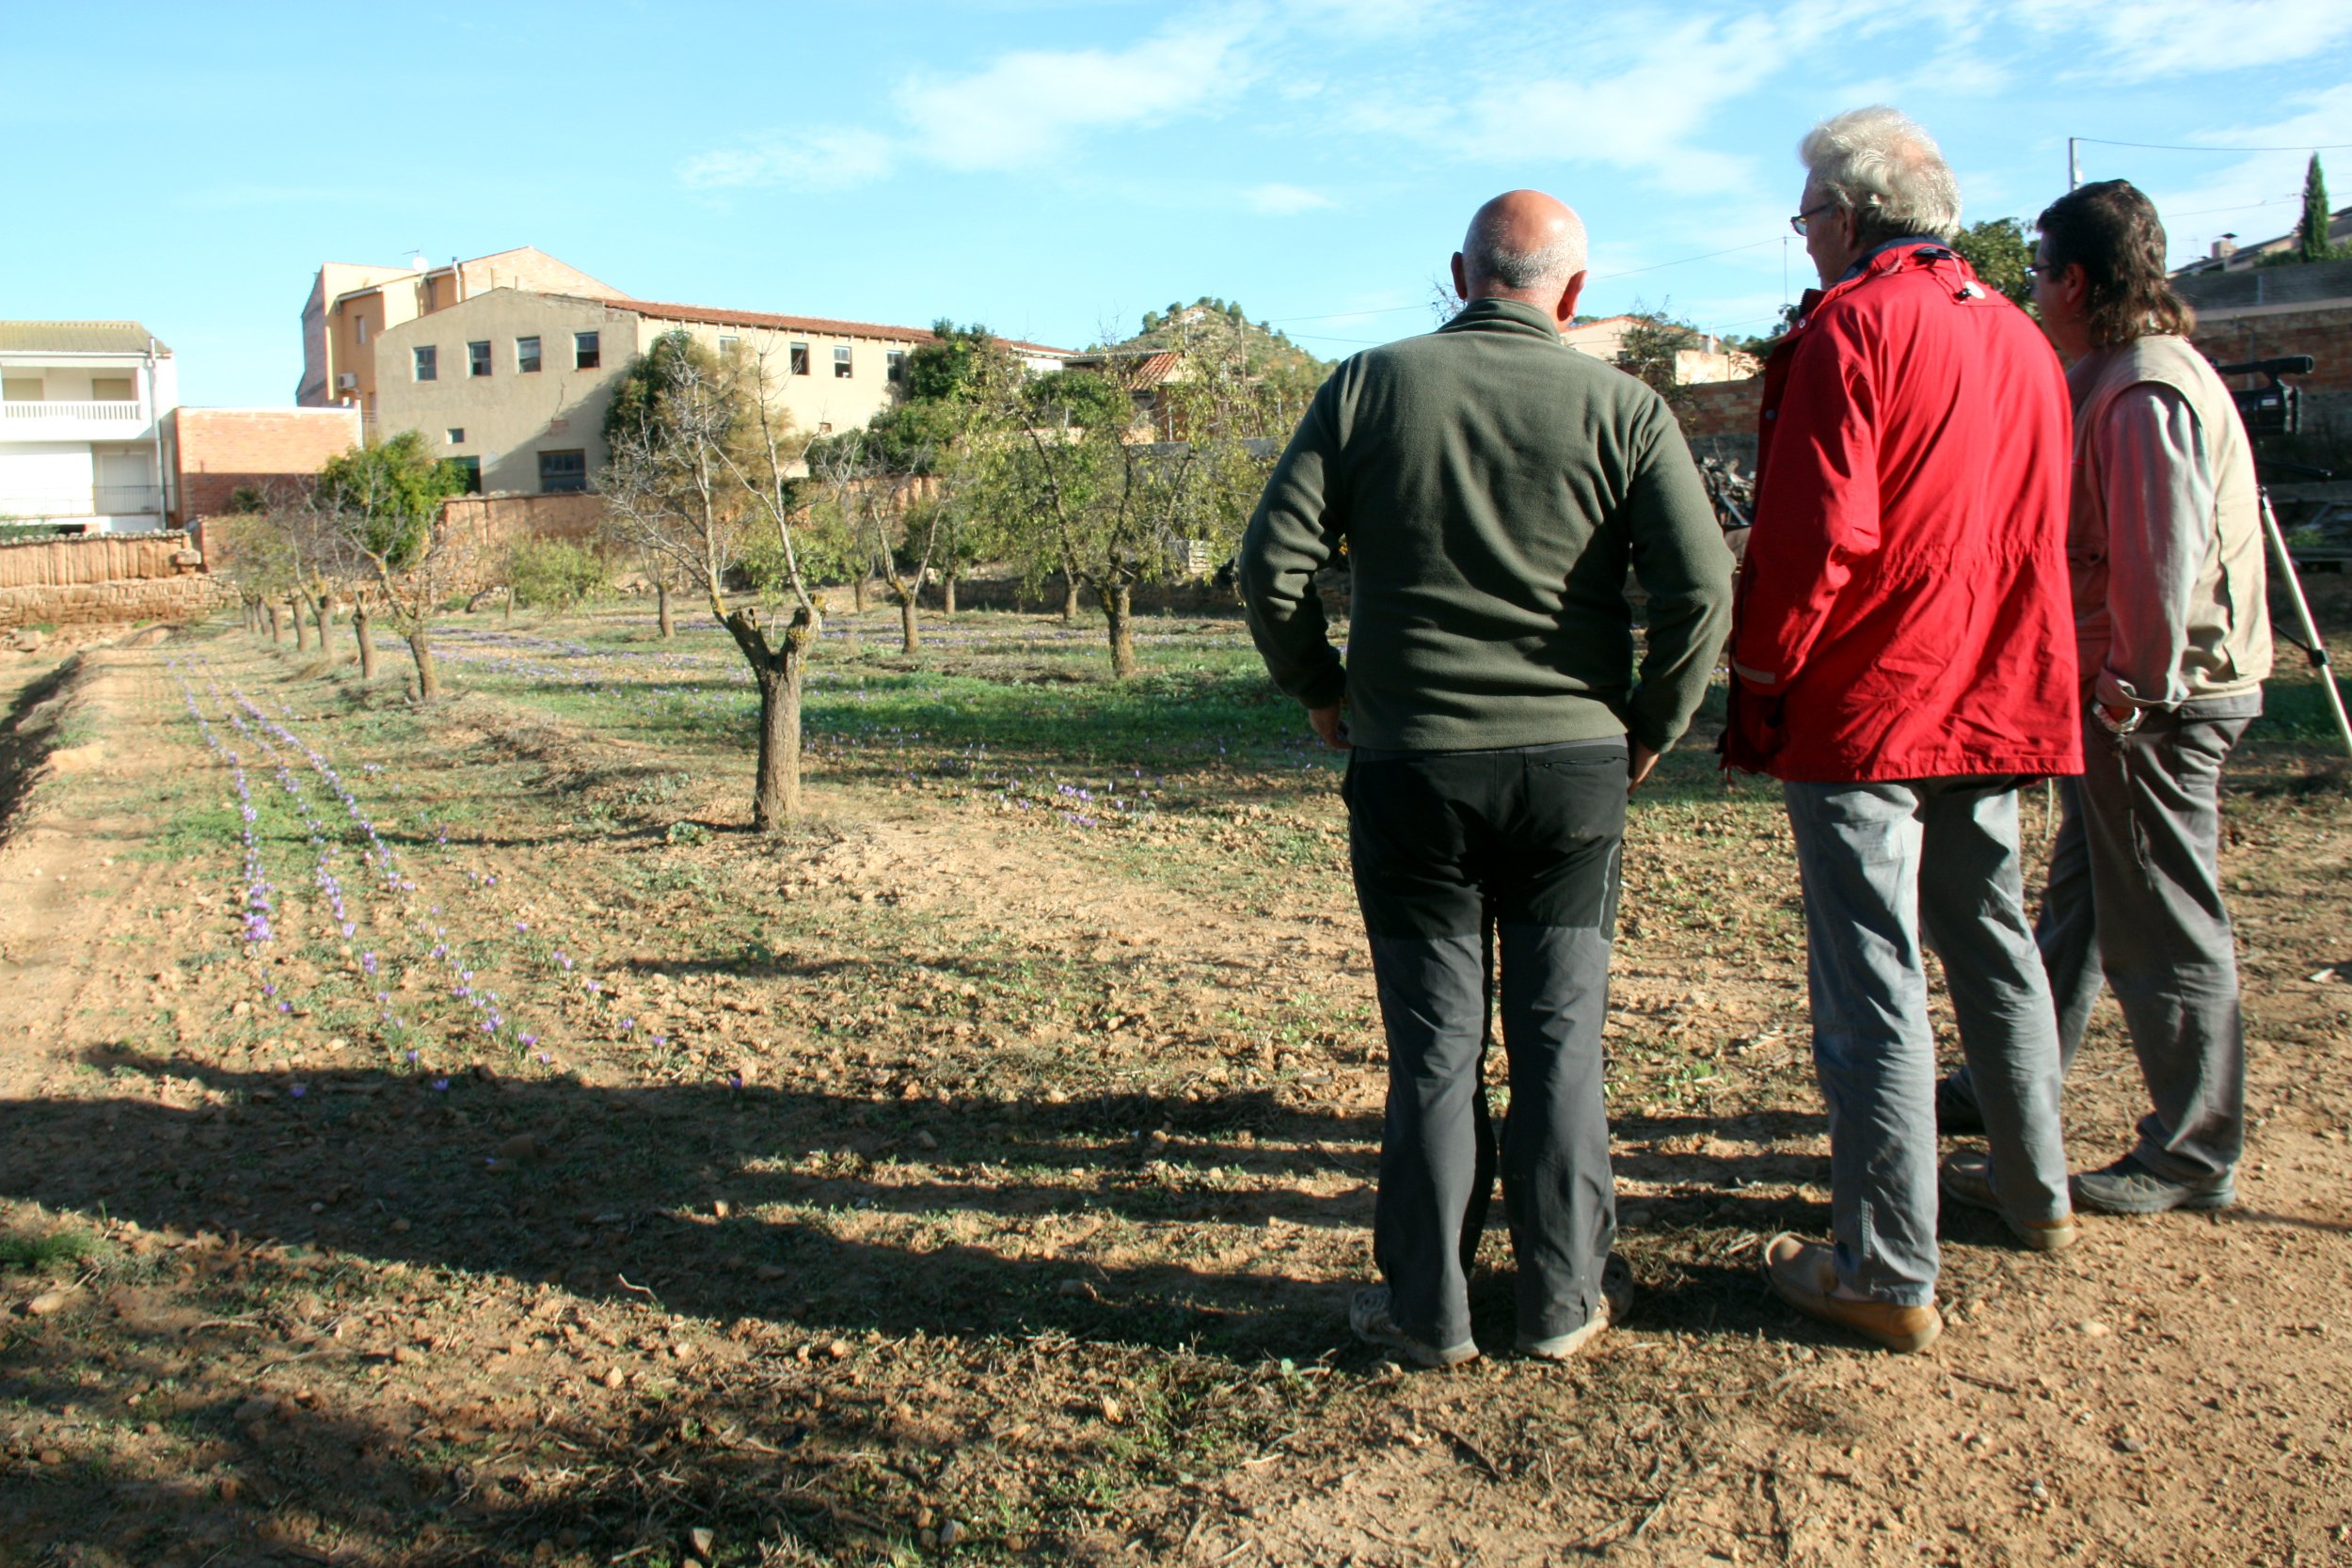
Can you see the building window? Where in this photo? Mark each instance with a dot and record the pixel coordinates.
(359, 329)
(477, 358)
(428, 362)
(112, 388)
(472, 468)
(799, 358)
(456, 433)
(527, 356)
(586, 354)
(560, 472)
(895, 365)
(841, 363)
(727, 343)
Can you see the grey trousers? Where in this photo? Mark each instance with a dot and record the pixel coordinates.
(1884, 865)
(1453, 851)
(2135, 900)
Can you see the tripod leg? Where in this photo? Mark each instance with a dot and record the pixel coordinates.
(2313, 646)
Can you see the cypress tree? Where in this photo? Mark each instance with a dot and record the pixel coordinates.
(2311, 232)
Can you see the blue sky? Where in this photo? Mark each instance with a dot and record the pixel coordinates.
(1056, 170)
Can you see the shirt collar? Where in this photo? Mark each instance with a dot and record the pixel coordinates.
(1863, 263)
(1489, 313)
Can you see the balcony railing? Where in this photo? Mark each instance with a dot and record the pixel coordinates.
(98, 501)
(91, 411)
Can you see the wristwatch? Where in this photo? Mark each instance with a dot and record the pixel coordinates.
(2124, 725)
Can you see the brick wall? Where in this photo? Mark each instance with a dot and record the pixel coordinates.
(2323, 332)
(219, 450)
(1719, 419)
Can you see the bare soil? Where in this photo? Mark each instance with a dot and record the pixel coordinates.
(979, 1170)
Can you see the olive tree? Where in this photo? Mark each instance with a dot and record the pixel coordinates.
(383, 502)
(698, 477)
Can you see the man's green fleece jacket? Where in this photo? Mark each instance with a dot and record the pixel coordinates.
(1492, 486)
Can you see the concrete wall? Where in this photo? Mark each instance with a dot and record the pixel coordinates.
(509, 417)
(821, 403)
(215, 452)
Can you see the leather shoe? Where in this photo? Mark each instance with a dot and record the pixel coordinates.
(1804, 1275)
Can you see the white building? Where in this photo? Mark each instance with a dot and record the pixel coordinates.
(82, 407)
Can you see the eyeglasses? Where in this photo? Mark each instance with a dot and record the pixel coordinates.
(1799, 222)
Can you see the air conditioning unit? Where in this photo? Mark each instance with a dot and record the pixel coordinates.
(347, 381)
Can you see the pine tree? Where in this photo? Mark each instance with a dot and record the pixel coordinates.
(2311, 234)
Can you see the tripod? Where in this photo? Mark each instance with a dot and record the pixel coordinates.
(2314, 649)
(2275, 409)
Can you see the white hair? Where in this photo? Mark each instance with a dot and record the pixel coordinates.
(1485, 254)
(1878, 164)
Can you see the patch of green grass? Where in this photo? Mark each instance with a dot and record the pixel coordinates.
(47, 1250)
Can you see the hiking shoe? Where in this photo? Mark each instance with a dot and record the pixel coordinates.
(1804, 1275)
(1617, 1300)
(2128, 1187)
(1367, 1315)
(1956, 1110)
(1968, 1178)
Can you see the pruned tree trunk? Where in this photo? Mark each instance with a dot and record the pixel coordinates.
(428, 679)
(857, 593)
(363, 632)
(909, 629)
(302, 629)
(277, 630)
(1117, 609)
(510, 601)
(780, 672)
(321, 617)
(947, 596)
(662, 607)
(1069, 599)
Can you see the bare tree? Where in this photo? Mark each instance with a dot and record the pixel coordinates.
(887, 509)
(696, 482)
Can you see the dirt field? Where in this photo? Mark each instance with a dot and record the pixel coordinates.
(978, 1171)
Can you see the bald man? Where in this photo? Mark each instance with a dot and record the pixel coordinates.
(1491, 486)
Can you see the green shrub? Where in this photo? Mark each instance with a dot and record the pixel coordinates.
(550, 574)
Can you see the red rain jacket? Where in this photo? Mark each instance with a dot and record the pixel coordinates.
(1903, 611)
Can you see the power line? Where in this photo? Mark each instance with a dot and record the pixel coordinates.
(2169, 147)
(1597, 278)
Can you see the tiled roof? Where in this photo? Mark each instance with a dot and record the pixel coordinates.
(816, 326)
(75, 338)
(1145, 369)
(715, 317)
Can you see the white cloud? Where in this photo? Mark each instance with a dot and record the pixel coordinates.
(1641, 95)
(1280, 200)
(808, 161)
(1025, 107)
(2250, 194)
(2144, 39)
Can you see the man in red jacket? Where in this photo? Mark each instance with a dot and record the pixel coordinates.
(1902, 657)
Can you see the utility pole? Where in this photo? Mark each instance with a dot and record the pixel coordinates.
(2074, 163)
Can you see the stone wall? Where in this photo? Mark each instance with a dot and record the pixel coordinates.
(106, 578)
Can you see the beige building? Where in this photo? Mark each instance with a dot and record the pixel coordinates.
(1710, 360)
(516, 382)
(352, 306)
